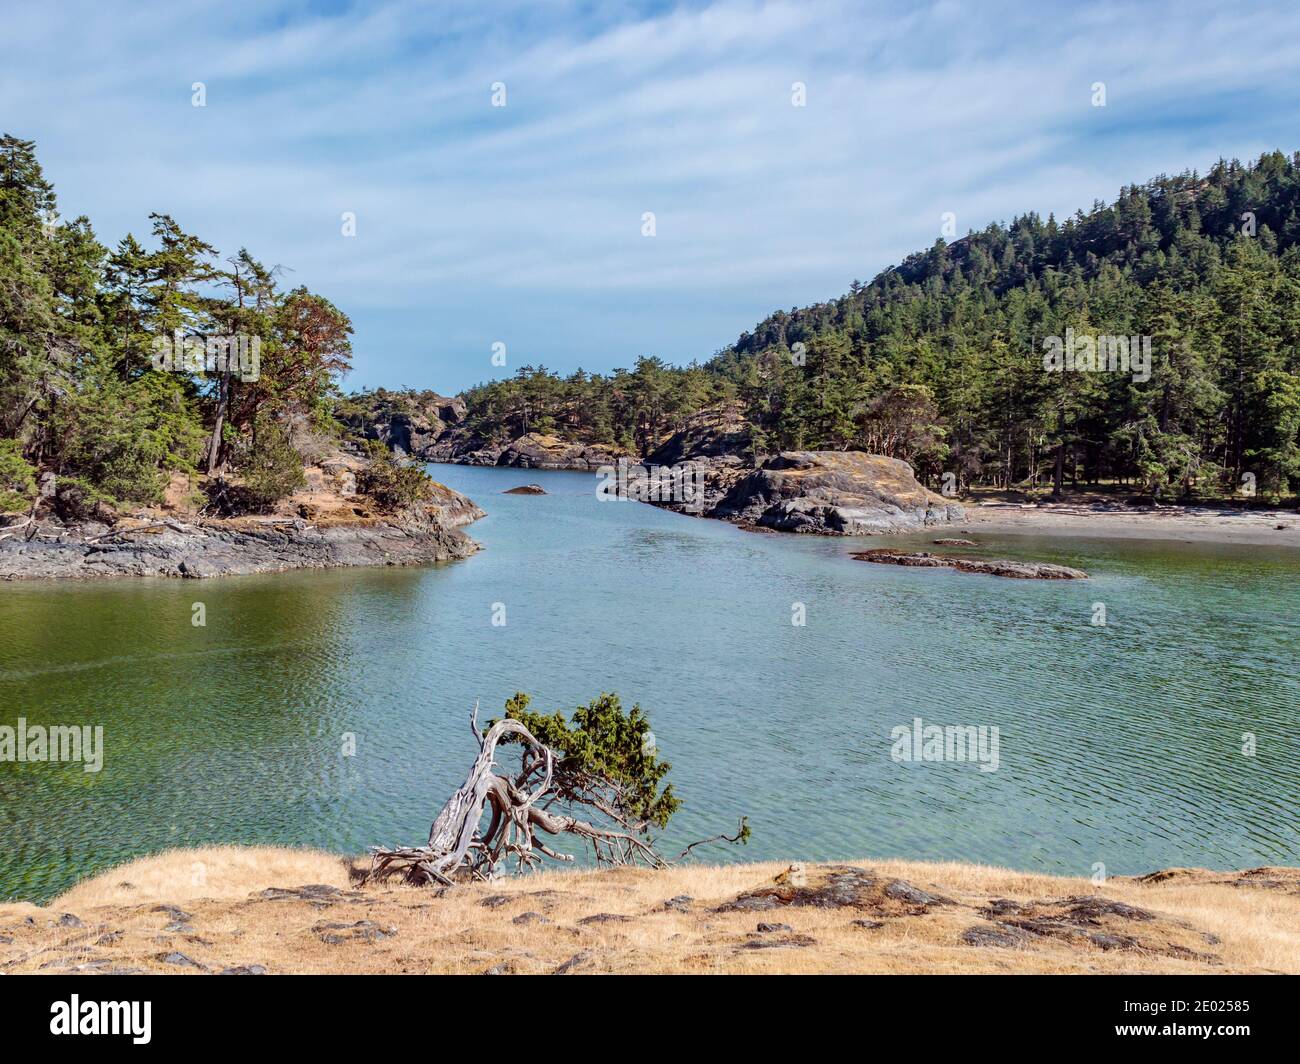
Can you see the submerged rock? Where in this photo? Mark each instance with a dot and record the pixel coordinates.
(991, 566)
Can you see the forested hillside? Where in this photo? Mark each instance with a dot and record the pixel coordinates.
(121, 367)
(940, 361)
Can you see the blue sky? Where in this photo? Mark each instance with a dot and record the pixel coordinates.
(522, 224)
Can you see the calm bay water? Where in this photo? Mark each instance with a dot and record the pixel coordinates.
(1119, 745)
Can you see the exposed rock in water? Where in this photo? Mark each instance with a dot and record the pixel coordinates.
(991, 566)
(956, 543)
(223, 548)
(450, 508)
(846, 493)
(525, 489)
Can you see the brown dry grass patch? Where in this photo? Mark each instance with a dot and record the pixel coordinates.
(230, 915)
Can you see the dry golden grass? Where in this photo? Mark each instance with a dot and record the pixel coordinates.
(1198, 921)
(179, 876)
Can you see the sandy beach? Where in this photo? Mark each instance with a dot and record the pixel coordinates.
(1190, 524)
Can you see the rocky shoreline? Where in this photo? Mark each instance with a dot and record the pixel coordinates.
(214, 548)
(848, 493)
(834, 493)
(326, 526)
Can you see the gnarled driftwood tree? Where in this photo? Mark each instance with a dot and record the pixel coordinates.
(606, 762)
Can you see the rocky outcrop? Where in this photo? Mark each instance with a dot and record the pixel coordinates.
(450, 508)
(413, 423)
(249, 916)
(845, 493)
(990, 566)
(325, 525)
(535, 450)
(716, 432)
(826, 492)
(525, 489)
(229, 548)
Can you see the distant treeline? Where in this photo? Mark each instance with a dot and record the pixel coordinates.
(940, 361)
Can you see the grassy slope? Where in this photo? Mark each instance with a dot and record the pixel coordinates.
(1198, 921)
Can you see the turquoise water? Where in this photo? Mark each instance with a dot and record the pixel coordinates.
(1118, 744)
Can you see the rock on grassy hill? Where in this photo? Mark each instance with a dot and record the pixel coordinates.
(262, 910)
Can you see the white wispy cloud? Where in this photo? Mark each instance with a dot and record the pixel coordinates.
(523, 223)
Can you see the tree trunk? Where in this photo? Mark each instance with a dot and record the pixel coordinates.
(223, 407)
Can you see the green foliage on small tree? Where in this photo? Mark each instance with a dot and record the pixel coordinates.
(607, 759)
(391, 482)
(271, 466)
(17, 478)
